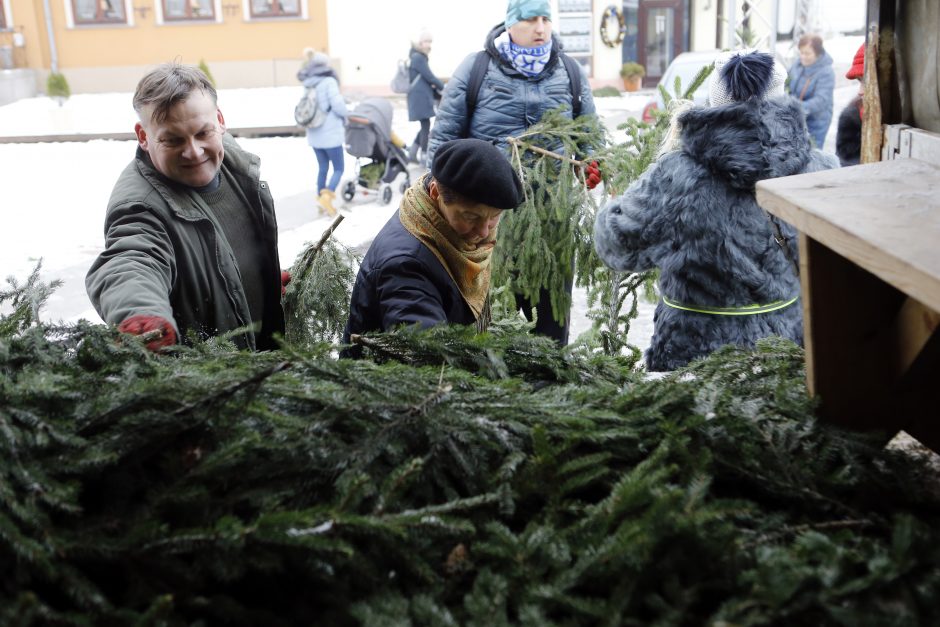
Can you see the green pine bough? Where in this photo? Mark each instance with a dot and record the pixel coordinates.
(542, 241)
(316, 301)
(548, 242)
(449, 478)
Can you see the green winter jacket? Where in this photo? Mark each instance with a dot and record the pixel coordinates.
(165, 255)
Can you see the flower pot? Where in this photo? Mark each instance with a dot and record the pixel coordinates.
(632, 83)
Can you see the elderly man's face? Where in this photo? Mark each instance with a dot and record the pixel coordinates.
(475, 223)
(531, 33)
(187, 146)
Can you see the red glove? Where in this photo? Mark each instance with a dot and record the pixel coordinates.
(592, 175)
(285, 279)
(141, 324)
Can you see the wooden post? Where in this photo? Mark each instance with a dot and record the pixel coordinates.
(882, 101)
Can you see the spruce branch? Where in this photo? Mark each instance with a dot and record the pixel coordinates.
(327, 233)
(316, 302)
(233, 388)
(796, 530)
(515, 141)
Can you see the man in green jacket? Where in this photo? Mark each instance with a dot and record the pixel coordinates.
(190, 231)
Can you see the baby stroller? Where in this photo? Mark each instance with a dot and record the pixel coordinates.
(369, 136)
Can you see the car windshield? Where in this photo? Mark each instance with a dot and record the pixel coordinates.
(686, 71)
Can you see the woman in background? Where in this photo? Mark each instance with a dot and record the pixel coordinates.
(326, 139)
(811, 82)
(425, 89)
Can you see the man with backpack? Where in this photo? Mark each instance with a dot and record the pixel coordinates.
(501, 91)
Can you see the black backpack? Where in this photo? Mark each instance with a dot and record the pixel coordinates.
(478, 71)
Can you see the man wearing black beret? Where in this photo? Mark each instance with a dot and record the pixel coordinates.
(430, 263)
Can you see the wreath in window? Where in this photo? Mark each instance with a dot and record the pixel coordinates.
(612, 13)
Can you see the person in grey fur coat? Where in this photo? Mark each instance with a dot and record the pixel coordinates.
(724, 278)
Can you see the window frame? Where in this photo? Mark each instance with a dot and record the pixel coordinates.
(75, 21)
(215, 15)
(6, 17)
(250, 15)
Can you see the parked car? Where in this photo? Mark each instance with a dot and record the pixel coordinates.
(686, 66)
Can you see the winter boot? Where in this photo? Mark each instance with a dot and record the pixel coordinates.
(325, 201)
(413, 153)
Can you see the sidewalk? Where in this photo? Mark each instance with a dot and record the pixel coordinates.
(263, 112)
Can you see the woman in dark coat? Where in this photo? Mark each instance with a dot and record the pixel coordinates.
(425, 89)
(849, 130)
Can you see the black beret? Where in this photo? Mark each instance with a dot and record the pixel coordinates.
(478, 171)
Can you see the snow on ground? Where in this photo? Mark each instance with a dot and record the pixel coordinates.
(54, 194)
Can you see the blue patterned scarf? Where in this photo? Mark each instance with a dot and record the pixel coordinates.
(529, 61)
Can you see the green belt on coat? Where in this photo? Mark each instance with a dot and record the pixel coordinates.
(744, 310)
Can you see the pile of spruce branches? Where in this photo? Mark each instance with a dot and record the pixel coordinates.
(448, 479)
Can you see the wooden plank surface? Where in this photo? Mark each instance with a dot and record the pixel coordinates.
(884, 217)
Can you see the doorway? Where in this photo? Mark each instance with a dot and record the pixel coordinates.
(660, 36)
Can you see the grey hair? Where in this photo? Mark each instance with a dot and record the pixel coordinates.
(167, 85)
(423, 35)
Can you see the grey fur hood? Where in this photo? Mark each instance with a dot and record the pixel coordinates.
(747, 142)
(693, 214)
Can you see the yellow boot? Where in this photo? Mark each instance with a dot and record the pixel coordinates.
(325, 201)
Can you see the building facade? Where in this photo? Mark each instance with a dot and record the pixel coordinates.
(107, 45)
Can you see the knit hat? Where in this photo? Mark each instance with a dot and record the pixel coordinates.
(858, 64)
(478, 171)
(743, 74)
(518, 10)
(320, 58)
(423, 35)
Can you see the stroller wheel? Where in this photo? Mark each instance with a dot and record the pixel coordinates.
(385, 194)
(349, 190)
(405, 185)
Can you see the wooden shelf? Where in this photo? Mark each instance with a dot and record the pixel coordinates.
(870, 284)
(884, 217)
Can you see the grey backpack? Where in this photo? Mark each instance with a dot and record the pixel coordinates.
(308, 113)
(400, 83)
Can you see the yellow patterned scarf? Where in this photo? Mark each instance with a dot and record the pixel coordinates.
(467, 264)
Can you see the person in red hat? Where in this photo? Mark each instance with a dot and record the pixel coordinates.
(849, 129)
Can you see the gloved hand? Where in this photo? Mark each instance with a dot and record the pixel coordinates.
(285, 279)
(592, 175)
(141, 324)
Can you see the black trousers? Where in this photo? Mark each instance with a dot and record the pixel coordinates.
(421, 139)
(545, 323)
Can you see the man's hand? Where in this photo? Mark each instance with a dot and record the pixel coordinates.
(285, 279)
(159, 328)
(592, 175)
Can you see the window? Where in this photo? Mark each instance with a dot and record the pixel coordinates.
(99, 12)
(275, 8)
(188, 10)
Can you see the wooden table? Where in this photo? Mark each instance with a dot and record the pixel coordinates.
(869, 240)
